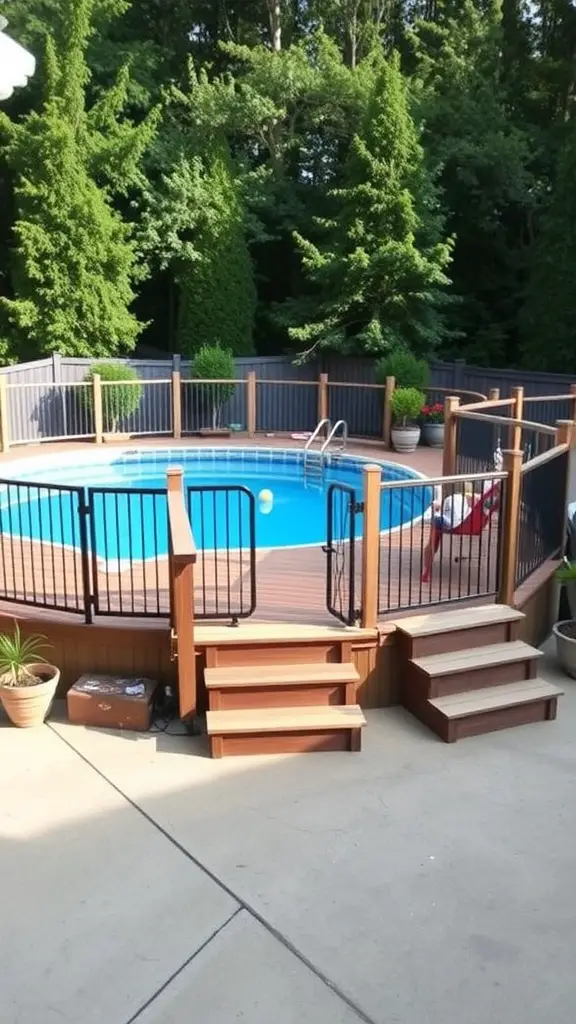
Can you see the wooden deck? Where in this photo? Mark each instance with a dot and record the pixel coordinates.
(291, 584)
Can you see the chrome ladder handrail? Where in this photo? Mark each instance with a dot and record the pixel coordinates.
(317, 430)
(332, 435)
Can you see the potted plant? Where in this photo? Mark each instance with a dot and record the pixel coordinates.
(121, 395)
(432, 420)
(406, 406)
(27, 682)
(214, 370)
(565, 631)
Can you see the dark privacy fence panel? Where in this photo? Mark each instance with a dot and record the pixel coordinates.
(542, 515)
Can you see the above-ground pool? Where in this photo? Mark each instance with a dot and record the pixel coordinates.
(124, 522)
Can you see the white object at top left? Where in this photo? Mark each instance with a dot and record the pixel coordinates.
(16, 66)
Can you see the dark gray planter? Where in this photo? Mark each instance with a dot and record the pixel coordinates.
(566, 645)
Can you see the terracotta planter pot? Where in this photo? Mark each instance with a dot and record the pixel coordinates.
(433, 434)
(28, 706)
(405, 439)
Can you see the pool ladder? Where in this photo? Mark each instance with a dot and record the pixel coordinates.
(314, 467)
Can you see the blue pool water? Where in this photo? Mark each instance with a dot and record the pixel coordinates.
(129, 524)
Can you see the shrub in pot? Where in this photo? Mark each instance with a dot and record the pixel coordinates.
(121, 393)
(27, 682)
(432, 421)
(214, 364)
(565, 631)
(406, 406)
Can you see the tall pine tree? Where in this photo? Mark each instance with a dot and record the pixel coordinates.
(380, 272)
(72, 264)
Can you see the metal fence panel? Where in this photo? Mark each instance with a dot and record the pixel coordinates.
(223, 521)
(43, 546)
(129, 550)
(542, 523)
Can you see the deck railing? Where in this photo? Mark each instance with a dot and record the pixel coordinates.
(71, 574)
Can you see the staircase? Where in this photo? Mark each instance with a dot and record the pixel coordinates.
(466, 673)
(285, 708)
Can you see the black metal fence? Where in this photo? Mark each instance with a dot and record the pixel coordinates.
(43, 546)
(223, 523)
(444, 542)
(477, 441)
(542, 514)
(342, 508)
(129, 551)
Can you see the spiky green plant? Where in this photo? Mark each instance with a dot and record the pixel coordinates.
(16, 655)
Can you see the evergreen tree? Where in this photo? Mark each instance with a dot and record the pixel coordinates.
(483, 162)
(217, 291)
(381, 271)
(548, 317)
(72, 265)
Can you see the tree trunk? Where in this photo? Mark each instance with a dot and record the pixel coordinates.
(275, 17)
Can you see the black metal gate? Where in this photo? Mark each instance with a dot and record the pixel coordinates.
(341, 553)
(223, 522)
(129, 550)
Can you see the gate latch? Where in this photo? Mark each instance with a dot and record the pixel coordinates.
(358, 507)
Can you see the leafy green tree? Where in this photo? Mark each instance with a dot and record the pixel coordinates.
(73, 264)
(194, 224)
(379, 274)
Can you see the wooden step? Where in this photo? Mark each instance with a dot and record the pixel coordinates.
(458, 629)
(285, 730)
(439, 675)
(261, 686)
(490, 708)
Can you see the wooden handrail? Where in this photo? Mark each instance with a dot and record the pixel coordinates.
(181, 538)
(459, 391)
(548, 398)
(349, 384)
(425, 481)
(491, 403)
(505, 421)
(540, 460)
(264, 380)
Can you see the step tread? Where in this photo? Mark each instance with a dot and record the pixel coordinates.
(472, 702)
(279, 675)
(476, 657)
(461, 618)
(332, 716)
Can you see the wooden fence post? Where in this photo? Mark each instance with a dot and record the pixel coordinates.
(251, 404)
(176, 404)
(371, 546)
(97, 401)
(573, 393)
(451, 404)
(515, 438)
(494, 395)
(4, 415)
(181, 568)
(510, 524)
(323, 397)
(387, 412)
(565, 432)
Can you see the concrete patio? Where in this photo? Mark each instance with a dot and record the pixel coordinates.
(414, 883)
